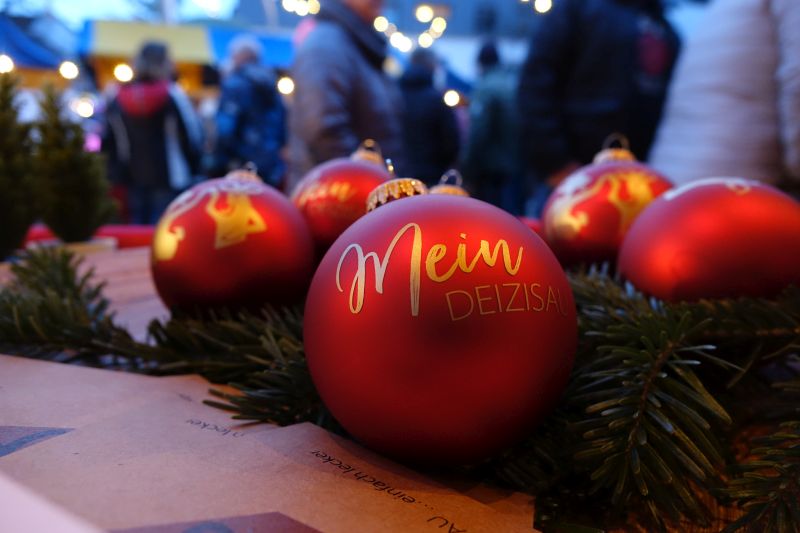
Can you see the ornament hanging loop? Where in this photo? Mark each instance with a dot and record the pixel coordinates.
(370, 151)
(611, 153)
(451, 183)
(618, 139)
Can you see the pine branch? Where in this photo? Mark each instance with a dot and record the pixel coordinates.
(768, 488)
(649, 425)
(49, 311)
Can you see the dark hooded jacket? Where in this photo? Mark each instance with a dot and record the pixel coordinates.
(251, 123)
(430, 130)
(151, 137)
(342, 96)
(594, 67)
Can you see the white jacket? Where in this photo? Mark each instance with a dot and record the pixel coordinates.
(734, 105)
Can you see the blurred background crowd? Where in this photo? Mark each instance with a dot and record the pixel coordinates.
(516, 94)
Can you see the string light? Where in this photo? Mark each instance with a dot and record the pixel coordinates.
(286, 85)
(424, 13)
(380, 24)
(6, 64)
(438, 25)
(452, 98)
(68, 70)
(123, 72)
(83, 107)
(542, 6)
(425, 40)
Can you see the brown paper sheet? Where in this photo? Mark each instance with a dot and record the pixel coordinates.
(134, 453)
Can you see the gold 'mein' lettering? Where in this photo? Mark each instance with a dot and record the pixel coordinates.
(359, 280)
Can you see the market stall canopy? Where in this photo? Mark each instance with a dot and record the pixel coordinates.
(23, 49)
(187, 44)
(194, 44)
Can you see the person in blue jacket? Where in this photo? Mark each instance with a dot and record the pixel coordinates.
(594, 67)
(251, 118)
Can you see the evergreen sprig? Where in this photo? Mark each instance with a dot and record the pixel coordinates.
(649, 421)
(50, 310)
(768, 487)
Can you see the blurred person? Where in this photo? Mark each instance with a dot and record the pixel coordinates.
(734, 107)
(151, 136)
(251, 118)
(430, 131)
(594, 67)
(342, 95)
(491, 164)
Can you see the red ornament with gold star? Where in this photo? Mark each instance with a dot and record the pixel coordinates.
(333, 195)
(231, 242)
(588, 214)
(439, 329)
(715, 238)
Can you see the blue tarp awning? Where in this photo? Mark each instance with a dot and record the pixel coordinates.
(278, 50)
(24, 50)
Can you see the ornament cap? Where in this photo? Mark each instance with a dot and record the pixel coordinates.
(248, 172)
(451, 183)
(369, 151)
(611, 153)
(394, 190)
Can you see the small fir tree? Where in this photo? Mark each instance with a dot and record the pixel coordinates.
(16, 210)
(71, 186)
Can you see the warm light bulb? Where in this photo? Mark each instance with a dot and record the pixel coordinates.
(286, 85)
(83, 107)
(438, 25)
(6, 64)
(396, 39)
(380, 23)
(425, 40)
(313, 6)
(68, 70)
(452, 98)
(424, 13)
(542, 6)
(289, 5)
(123, 72)
(301, 9)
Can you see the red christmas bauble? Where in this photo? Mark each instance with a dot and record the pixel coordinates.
(439, 329)
(231, 242)
(588, 214)
(534, 224)
(714, 238)
(333, 195)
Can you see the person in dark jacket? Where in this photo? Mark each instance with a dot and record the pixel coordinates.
(430, 130)
(594, 67)
(342, 95)
(251, 118)
(491, 164)
(151, 137)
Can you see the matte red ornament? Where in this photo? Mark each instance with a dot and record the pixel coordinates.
(534, 224)
(231, 242)
(715, 238)
(588, 214)
(439, 329)
(333, 195)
